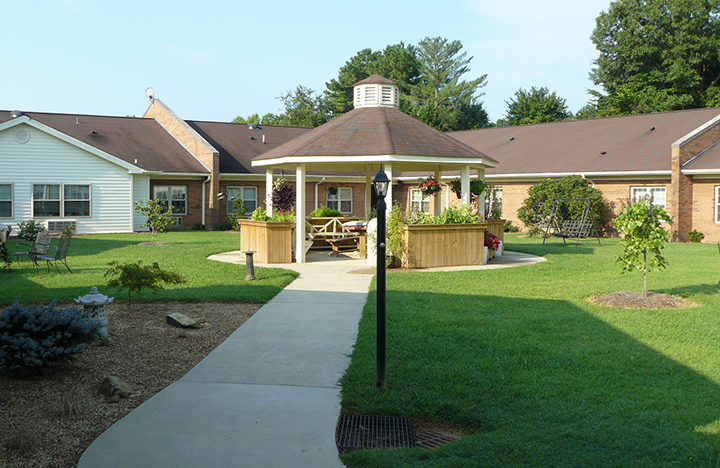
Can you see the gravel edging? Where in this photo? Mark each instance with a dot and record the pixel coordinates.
(49, 420)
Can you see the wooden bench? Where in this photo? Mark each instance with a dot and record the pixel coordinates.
(574, 229)
(341, 242)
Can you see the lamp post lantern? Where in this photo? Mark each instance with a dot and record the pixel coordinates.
(380, 183)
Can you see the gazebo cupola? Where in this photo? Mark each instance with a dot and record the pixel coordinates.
(376, 91)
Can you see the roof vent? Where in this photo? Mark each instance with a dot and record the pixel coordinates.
(253, 126)
(376, 91)
(652, 129)
(16, 113)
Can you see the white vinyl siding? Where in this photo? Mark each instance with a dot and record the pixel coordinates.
(342, 200)
(248, 195)
(6, 201)
(657, 194)
(56, 162)
(419, 202)
(141, 192)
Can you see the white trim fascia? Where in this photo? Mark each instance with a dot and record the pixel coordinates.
(703, 173)
(387, 158)
(695, 133)
(131, 168)
(185, 175)
(308, 178)
(619, 175)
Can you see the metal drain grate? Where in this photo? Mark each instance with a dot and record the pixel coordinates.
(433, 439)
(357, 432)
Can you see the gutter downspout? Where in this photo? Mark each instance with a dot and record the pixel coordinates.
(204, 190)
(316, 192)
(591, 182)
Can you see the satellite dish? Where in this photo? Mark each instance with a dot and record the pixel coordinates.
(150, 93)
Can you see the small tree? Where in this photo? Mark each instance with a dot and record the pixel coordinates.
(135, 277)
(238, 213)
(5, 261)
(643, 237)
(157, 217)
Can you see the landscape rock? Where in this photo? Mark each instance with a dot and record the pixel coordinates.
(115, 387)
(177, 319)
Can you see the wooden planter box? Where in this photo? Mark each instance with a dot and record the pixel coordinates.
(271, 240)
(444, 245)
(497, 227)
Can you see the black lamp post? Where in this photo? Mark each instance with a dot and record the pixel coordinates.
(381, 183)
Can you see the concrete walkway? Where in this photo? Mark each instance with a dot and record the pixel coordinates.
(266, 397)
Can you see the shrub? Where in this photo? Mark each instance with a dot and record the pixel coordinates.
(454, 215)
(34, 336)
(260, 214)
(283, 216)
(325, 212)
(695, 236)
(510, 227)
(4, 257)
(135, 277)
(157, 218)
(29, 229)
(283, 196)
(197, 226)
(538, 205)
(224, 226)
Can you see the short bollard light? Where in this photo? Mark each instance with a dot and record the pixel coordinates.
(94, 303)
(249, 265)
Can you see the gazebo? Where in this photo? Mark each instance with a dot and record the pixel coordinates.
(374, 133)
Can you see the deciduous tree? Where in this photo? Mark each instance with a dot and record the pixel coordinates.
(657, 55)
(535, 106)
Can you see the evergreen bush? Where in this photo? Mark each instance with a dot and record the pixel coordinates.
(34, 336)
(5, 261)
(538, 205)
(29, 229)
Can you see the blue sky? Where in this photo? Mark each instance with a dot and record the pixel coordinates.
(214, 60)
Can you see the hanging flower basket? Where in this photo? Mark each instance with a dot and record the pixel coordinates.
(429, 186)
(332, 190)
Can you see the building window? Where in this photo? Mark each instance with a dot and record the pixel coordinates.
(61, 200)
(6, 201)
(171, 195)
(76, 200)
(419, 202)
(248, 195)
(493, 202)
(342, 200)
(717, 204)
(656, 193)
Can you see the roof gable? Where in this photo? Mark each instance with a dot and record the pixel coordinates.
(141, 145)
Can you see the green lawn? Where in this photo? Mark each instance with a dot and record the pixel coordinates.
(187, 254)
(537, 376)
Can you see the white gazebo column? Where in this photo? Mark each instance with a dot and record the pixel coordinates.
(437, 198)
(481, 197)
(389, 196)
(300, 213)
(368, 190)
(268, 190)
(465, 185)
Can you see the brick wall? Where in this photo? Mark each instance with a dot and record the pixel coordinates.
(194, 199)
(703, 209)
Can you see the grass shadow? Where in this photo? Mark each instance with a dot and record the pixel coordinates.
(540, 382)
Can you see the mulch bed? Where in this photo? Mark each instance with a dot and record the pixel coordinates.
(635, 300)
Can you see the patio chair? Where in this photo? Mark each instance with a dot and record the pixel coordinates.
(31, 250)
(5, 234)
(60, 253)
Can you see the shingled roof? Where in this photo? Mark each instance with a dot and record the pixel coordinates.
(374, 131)
(636, 143)
(239, 144)
(141, 142)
